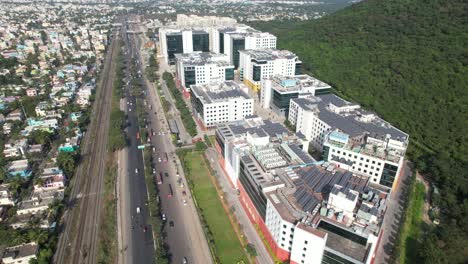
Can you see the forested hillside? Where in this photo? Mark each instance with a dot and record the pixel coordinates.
(406, 60)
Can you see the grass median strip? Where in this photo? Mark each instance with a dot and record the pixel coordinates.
(220, 234)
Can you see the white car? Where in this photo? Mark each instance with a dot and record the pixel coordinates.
(136, 170)
(163, 217)
(185, 202)
(138, 210)
(159, 159)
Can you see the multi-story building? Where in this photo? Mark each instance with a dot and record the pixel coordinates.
(308, 211)
(230, 40)
(324, 215)
(182, 40)
(202, 68)
(257, 65)
(220, 103)
(351, 137)
(255, 139)
(277, 91)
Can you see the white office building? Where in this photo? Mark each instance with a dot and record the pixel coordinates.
(202, 68)
(277, 91)
(351, 137)
(230, 40)
(175, 40)
(220, 103)
(257, 65)
(324, 215)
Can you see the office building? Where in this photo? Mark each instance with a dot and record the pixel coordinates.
(351, 137)
(175, 40)
(240, 143)
(220, 103)
(257, 65)
(277, 91)
(308, 211)
(202, 68)
(324, 214)
(230, 40)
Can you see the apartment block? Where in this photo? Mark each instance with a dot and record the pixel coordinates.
(220, 103)
(257, 65)
(277, 91)
(202, 68)
(351, 137)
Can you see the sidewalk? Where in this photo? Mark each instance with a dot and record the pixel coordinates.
(232, 199)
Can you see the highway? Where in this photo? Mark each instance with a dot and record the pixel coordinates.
(140, 245)
(185, 237)
(78, 240)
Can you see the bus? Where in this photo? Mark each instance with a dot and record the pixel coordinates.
(159, 179)
(169, 195)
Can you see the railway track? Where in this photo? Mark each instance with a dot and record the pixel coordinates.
(87, 188)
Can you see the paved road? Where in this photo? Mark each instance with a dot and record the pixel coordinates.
(393, 216)
(78, 241)
(230, 193)
(185, 238)
(139, 247)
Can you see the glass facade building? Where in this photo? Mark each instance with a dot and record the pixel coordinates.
(201, 41)
(174, 45)
(253, 190)
(229, 74)
(388, 175)
(189, 76)
(237, 44)
(281, 101)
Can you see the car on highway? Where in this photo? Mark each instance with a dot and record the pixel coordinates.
(138, 210)
(136, 170)
(184, 260)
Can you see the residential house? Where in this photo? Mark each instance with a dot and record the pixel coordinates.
(15, 115)
(16, 148)
(19, 168)
(51, 178)
(20, 254)
(5, 195)
(31, 92)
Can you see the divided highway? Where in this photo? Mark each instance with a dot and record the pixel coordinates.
(185, 236)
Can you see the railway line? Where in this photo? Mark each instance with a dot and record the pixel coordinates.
(79, 240)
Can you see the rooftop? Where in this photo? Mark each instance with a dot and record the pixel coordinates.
(219, 92)
(21, 251)
(306, 199)
(299, 83)
(269, 54)
(350, 118)
(203, 58)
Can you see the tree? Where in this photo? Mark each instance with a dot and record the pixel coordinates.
(67, 162)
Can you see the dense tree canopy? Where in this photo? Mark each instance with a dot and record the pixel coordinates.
(407, 61)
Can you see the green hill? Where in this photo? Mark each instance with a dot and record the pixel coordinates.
(406, 60)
